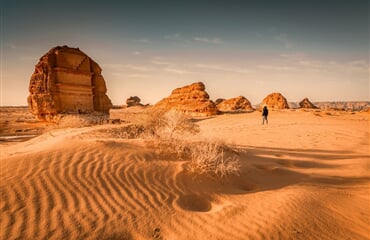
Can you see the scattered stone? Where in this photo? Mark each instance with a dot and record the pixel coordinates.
(191, 99)
(66, 80)
(235, 104)
(275, 101)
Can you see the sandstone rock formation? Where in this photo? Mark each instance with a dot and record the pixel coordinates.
(191, 99)
(347, 106)
(305, 103)
(235, 104)
(133, 101)
(219, 100)
(275, 101)
(67, 80)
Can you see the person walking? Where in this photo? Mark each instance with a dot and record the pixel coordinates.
(265, 113)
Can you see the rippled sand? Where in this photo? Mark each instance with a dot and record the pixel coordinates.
(305, 176)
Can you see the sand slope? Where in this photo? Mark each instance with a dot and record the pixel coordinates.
(305, 176)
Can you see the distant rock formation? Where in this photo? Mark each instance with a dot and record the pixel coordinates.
(133, 101)
(275, 101)
(235, 104)
(346, 106)
(67, 80)
(191, 99)
(219, 100)
(305, 103)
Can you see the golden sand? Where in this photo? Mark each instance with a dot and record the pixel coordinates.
(305, 176)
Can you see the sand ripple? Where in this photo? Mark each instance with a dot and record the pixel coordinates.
(70, 187)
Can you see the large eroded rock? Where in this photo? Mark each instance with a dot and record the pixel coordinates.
(305, 103)
(191, 99)
(133, 101)
(235, 104)
(67, 80)
(275, 101)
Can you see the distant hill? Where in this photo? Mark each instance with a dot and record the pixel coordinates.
(338, 105)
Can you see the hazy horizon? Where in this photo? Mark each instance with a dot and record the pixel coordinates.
(318, 50)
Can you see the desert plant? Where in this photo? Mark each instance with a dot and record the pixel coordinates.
(76, 120)
(129, 131)
(173, 134)
(167, 125)
(213, 157)
(169, 129)
(177, 149)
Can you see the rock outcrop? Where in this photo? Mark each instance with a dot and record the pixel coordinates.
(219, 100)
(347, 106)
(67, 80)
(235, 104)
(275, 101)
(133, 101)
(305, 103)
(191, 99)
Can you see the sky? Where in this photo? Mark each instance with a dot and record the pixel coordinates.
(314, 49)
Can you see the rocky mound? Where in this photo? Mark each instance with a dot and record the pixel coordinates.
(66, 80)
(191, 99)
(235, 104)
(305, 103)
(133, 101)
(219, 100)
(275, 101)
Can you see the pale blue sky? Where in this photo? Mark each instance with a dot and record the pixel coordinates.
(315, 49)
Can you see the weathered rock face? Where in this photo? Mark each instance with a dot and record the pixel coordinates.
(219, 100)
(191, 99)
(133, 101)
(305, 103)
(275, 101)
(67, 80)
(235, 104)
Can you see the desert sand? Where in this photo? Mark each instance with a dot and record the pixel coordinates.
(304, 176)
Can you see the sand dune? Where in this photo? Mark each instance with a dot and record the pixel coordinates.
(305, 176)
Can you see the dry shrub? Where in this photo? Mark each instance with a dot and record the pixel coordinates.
(77, 120)
(212, 157)
(175, 149)
(174, 133)
(169, 125)
(170, 129)
(131, 131)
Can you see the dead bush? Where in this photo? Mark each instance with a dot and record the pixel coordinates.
(173, 133)
(168, 125)
(130, 131)
(76, 120)
(213, 158)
